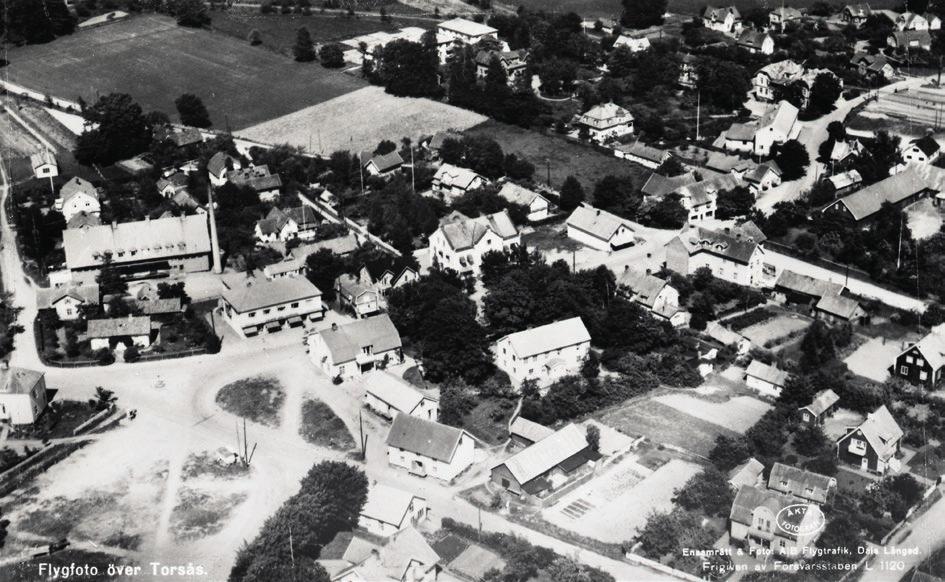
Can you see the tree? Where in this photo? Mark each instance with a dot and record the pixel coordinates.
(303, 50)
(255, 38)
(409, 69)
(593, 438)
(35, 22)
(642, 13)
(103, 399)
(110, 281)
(123, 131)
(572, 194)
(728, 453)
(722, 83)
(708, 491)
(817, 347)
(331, 56)
(810, 441)
(824, 93)
(557, 76)
(323, 268)
(617, 195)
(792, 158)
(734, 203)
(192, 111)
(191, 13)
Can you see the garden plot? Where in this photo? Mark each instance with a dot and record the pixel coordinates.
(835, 426)
(873, 358)
(775, 330)
(613, 506)
(664, 424)
(738, 414)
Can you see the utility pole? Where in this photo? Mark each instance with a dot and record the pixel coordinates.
(292, 555)
(698, 112)
(413, 176)
(363, 438)
(548, 169)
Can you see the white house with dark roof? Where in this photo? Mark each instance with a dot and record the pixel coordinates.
(634, 44)
(916, 181)
(758, 521)
(539, 207)
(748, 473)
(219, 165)
(733, 255)
(642, 154)
(804, 485)
(68, 299)
(545, 353)
(347, 351)
(912, 21)
(727, 20)
(405, 556)
(856, 14)
(873, 446)
(756, 42)
(357, 296)
(764, 177)
(44, 164)
(451, 182)
(653, 293)
(765, 379)
(845, 181)
(22, 394)
(757, 137)
(389, 510)
(783, 15)
(544, 466)
(460, 241)
(77, 195)
(600, 229)
(820, 407)
(265, 184)
(923, 150)
(284, 225)
(606, 121)
(172, 185)
(381, 164)
(873, 66)
(173, 245)
(253, 305)
(119, 332)
(700, 199)
(513, 63)
(389, 395)
(428, 448)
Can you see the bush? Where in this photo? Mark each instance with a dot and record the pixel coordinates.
(132, 354)
(104, 356)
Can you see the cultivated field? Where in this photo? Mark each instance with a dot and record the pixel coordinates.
(613, 8)
(613, 506)
(562, 157)
(155, 61)
(774, 329)
(661, 423)
(738, 414)
(360, 120)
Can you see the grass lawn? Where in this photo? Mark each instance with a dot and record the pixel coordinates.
(664, 424)
(29, 571)
(58, 421)
(320, 426)
(561, 156)
(481, 423)
(928, 462)
(278, 31)
(258, 399)
(449, 547)
(772, 331)
(155, 61)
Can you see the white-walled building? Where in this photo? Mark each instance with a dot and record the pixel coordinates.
(67, 299)
(119, 331)
(727, 20)
(389, 395)
(461, 31)
(428, 448)
(765, 379)
(635, 45)
(732, 255)
(653, 293)
(450, 182)
(460, 241)
(600, 229)
(757, 137)
(539, 207)
(78, 195)
(924, 150)
(252, 305)
(219, 165)
(756, 42)
(389, 510)
(346, 351)
(44, 164)
(545, 353)
(606, 122)
(22, 394)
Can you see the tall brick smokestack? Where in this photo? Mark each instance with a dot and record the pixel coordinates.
(214, 240)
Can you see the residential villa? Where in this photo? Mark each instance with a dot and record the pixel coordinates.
(389, 510)
(758, 521)
(727, 20)
(347, 351)
(856, 14)
(460, 242)
(910, 40)
(913, 21)
(600, 229)
(756, 42)
(733, 255)
(284, 225)
(545, 353)
(513, 63)
(606, 122)
(266, 185)
(783, 15)
(428, 448)
(451, 182)
(252, 305)
(806, 486)
(873, 446)
(923, 150)
(356, 296)
(771, 79)
(77, 195)
(460, 31)
(22, 394)
(653, 293)
(389, 395)
(546, 465)
(764, 177)
(381, 164)
(873, 66)
(758, 137)
(634, 44)
(539, 207)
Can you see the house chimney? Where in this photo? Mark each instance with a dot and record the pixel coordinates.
(114, 224)
(334, 327)
(5, 365)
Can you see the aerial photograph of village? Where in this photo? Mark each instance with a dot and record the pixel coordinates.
(472, 291)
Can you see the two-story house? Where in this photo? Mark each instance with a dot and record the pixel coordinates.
(252, 305)
(388, 395)
(512, 62)
(762, 519)
(428, 448)
(545, 353)
(806, 486)
(923, 150)
(538, 207)
(451, 182)
(68, 300)
(873, 446)
(922, 362)
(606, 121)
(22, 394)
(78, 195)
(653, 293)
(460, 31)
(757, 137)
(727, 20)
(460, 241)
(781, 16)
(356, 296)
(388, 510)
(732, 255)
(284, 225)
(600, 229)
(756, 42)
(347, 351)
(219, 165)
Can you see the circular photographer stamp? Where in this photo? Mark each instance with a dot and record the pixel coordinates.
(801, 519)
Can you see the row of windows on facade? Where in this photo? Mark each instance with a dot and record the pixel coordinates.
(280, 308)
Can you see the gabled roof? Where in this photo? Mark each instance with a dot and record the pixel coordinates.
(436, 142)
(289, 264)
(404, 548)
(713, 13)
(845, 179)
(838, 305)
(927, 145)
(82, 219)
(822, 402)
(456, 176)
(735, 245)
(387, 504)
(217, 163)
(549, 337)
(346, 341)
(256, 177)
(247, 293)
(48, 298)
(384, 162)
(787, 13)
(158, 306)
(645, 287)
(753, 38)
(546, 454)
(392, 390)
(760, 172)
(395, 266)
(77, 186)
(424, 437)
(858, 10)
(882, 432)
(41, 159)
(781, 119)
(763, 371)
(894, 189)
(659, 185)
(119, 326)
(907, 37)
(14, 380)
(747, 473)
(932, 347)
(529, 430)
(341, 245)
(176, 180)
(806, 285)
(597, 223)
(641, 150)
(467, 27)
(462, 232)
(845, 148)
(302, 215)
(519, 194)
(605, 111)
(800, 483)
(750, 498)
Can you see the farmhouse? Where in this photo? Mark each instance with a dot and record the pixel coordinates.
(911, 184)
(451, 181)
(252, 305)
(856, 14)
(546, 465)
(804, 485)
(389, 510)
(874, 445)
(539, 207)
(756, 42)
(732, 255)
(44, 164)
(635, 45)
(352, 349)
(68, 299)
(922, 363)
(766, 379)
(606, 122)
(513, 63)
(424, 447)
(356, 296)
(77, 195)
(727, 20)
(22, 394)
(460, 241)
(120, 331)
(221, 164)
(924, 150)
(545, 353)
(524, 432)
(820, 407)
(267, 186)
(600, 229)
(783, 15)
(653, 293)
(388, 395)
(757, 137)
(757, 521)
(748, 473)
(173, 245)
(640, 153)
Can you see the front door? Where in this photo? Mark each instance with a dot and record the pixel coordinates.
(865, 464)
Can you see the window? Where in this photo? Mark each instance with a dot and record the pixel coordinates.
(910, 360)
(367, 349)
(505, 483)
(904, 370)
(919, 362)
(923, 375)
(294, 305)
(808, 492)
